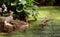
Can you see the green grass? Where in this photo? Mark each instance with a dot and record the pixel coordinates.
(51, 30)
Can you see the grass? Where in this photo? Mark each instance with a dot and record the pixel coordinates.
(51, 30)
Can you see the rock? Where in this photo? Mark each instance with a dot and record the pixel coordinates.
(20, 25)
(44, 22)
(14, 25)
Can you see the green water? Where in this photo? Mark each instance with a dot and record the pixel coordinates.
(51, 30)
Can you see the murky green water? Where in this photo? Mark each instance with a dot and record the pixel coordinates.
(51, 30)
